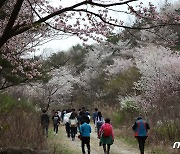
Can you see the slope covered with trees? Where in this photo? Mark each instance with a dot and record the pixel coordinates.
(135, 71)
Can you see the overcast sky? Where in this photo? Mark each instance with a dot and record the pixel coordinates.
(65, 44)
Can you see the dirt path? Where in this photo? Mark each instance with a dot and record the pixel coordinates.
(75, 146)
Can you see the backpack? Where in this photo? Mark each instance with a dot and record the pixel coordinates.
(73, 123)
(99, 124)
(100, 121)
(107, 131)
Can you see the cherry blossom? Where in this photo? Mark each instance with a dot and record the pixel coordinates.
(160, 71)
(120, 65)
(24, 24)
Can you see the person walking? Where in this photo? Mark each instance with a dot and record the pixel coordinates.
(95, 115)
(45, 123)
(73, 125)
(85, 130)
(99, 121)
(66, 122)
(59, 113)
(141, 128)
(62, 115)
(75, 113)
(79, 120)
(56, 122)
(84, 118)
(106, 136)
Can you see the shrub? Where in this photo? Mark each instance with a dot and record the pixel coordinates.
(117, 118)
(20, 124)
(129, 103)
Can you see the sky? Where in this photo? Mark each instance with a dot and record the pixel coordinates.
(67, 43)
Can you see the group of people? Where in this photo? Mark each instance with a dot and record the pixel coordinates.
(80, 122)
(75, 122)
(45, 121)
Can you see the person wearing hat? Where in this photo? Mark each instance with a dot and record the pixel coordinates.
(141, 128)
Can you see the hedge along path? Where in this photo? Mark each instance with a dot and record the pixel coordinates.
(65, 145)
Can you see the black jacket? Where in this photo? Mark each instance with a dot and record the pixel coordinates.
(44, 119)
(56, 120)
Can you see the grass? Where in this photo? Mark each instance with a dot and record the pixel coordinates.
(157, 150)
(131, 141)
(55, 144)
(149, 148)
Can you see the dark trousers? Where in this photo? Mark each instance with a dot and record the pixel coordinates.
(45, 130)
(141, 141)
(98, 127)
(108, 148)
(94, 121)
(78, 126)
(73, 132)
(85, 140)
(68, 130)
(56, 128)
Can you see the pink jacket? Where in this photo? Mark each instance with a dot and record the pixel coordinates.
(102, 128)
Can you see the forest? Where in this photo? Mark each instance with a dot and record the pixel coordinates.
(130, 69)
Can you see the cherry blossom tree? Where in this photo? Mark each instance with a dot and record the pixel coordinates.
(166, 36)
(16, 66)
(44, 94)
(25, 22)
(119, 65)
(99, 22)
(104, 73)
(95, 60)
(159, 84)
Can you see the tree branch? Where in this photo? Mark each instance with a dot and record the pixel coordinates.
(48, 23)
(10, 85)
(25, 28)
(111, 4)
(121, 26)
(7, 31)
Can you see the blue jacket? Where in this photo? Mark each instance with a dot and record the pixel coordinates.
(85, 130)
(140, 128)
